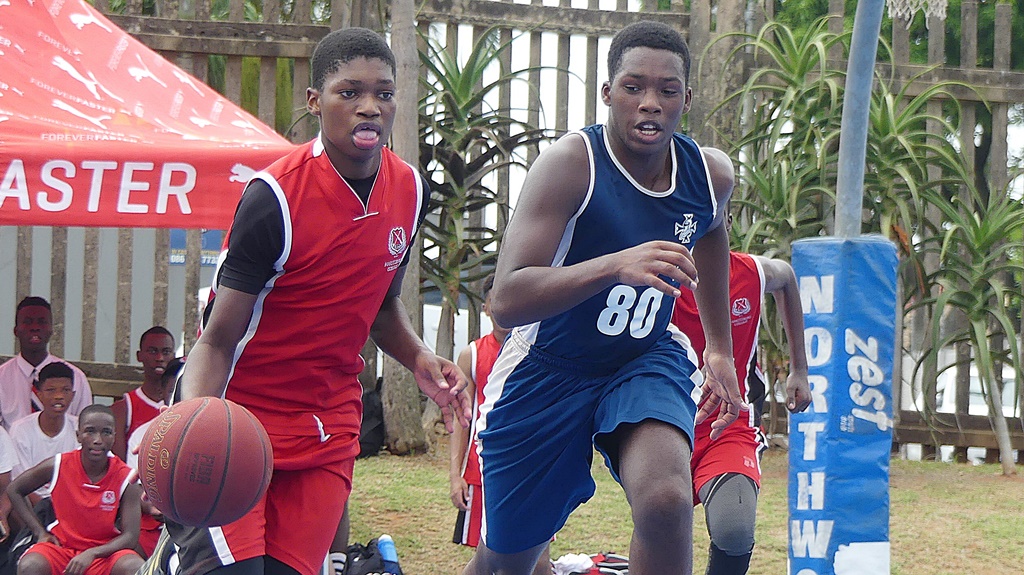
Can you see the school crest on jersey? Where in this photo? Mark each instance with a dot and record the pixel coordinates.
(397, 241)
(107, 500)
(686, 228)
(741, 309)
(397, 244)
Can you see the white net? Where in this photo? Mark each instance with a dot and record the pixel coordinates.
(904, 9)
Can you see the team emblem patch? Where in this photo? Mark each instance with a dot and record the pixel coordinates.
(107, 500)
(741, 306)
(686, 228)
(397, 241)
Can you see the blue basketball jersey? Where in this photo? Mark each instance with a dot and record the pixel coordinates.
(622, 321)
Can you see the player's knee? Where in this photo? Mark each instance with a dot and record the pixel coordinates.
(663, 502)
(734, 539)
(128, 564)
(33, 564)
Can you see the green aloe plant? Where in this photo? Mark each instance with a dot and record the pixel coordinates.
(979, 264)
(465, 140)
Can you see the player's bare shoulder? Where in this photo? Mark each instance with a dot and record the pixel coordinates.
(560, 176)
(722, 172)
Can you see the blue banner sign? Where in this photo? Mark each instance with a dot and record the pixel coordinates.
(839, 448)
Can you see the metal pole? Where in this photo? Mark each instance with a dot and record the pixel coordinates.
(867, 23)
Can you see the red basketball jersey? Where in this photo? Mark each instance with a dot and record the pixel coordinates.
(485, 353)
(746, 293)
(296, 366)
(86, 511)
(139, 409)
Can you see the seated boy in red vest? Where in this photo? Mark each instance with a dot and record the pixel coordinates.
(90, 488)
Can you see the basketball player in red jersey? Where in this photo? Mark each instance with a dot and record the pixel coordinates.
(314, 266)
(156, 349)
(96, 501)
(726, 472)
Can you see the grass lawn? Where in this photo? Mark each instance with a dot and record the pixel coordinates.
(946, 519)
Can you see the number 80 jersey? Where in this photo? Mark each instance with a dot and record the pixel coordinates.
(621, 322)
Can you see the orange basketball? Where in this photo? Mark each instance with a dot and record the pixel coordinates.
(205, 462)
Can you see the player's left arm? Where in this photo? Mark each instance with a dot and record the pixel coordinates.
(780, 281)
(131, 513)
(711, 256)
(439, 378)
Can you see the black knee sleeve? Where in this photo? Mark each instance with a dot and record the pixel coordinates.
(720, 563)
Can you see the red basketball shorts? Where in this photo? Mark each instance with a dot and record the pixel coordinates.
(737, 450)
(58, 557)
(296, 520)
(467, 524)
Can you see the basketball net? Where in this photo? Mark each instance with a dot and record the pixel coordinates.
(904, 9)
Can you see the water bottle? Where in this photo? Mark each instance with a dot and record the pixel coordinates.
(386, 547)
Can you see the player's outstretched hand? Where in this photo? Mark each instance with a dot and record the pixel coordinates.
(445, 384)
(650, 263)
(720, 390)
(798, 392)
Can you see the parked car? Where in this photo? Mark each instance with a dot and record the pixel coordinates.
(946, 386)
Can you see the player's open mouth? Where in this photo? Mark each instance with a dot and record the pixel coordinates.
(366, 136)
(648, 128)
(58, 406)
(35, 339)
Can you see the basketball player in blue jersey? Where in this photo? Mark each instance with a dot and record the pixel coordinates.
(613, 221)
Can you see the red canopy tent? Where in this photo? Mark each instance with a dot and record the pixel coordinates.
(98, 130)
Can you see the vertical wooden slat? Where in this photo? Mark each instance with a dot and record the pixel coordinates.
(304, 125)
(837, 12)
(969, 34)
(590, 82)
(900, 41)
(562, 79)
(997, 160)
(698, 37)
(58, 287)
(89, 293)
(233, 79)
(23, 284)
(268, 91)
(936, 41)
(533, 114)
(123, 319)
(505, 104)
(161, 269)
(341, 14)
(233, 64)
(193, 262)
(272, 11)
(302, 13)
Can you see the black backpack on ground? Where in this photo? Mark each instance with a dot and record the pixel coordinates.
(18, 543)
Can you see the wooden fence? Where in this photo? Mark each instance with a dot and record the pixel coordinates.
(108, 286)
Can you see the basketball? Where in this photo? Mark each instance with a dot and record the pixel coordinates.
(205, 462)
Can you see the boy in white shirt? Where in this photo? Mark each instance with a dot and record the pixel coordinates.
(46, 433)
